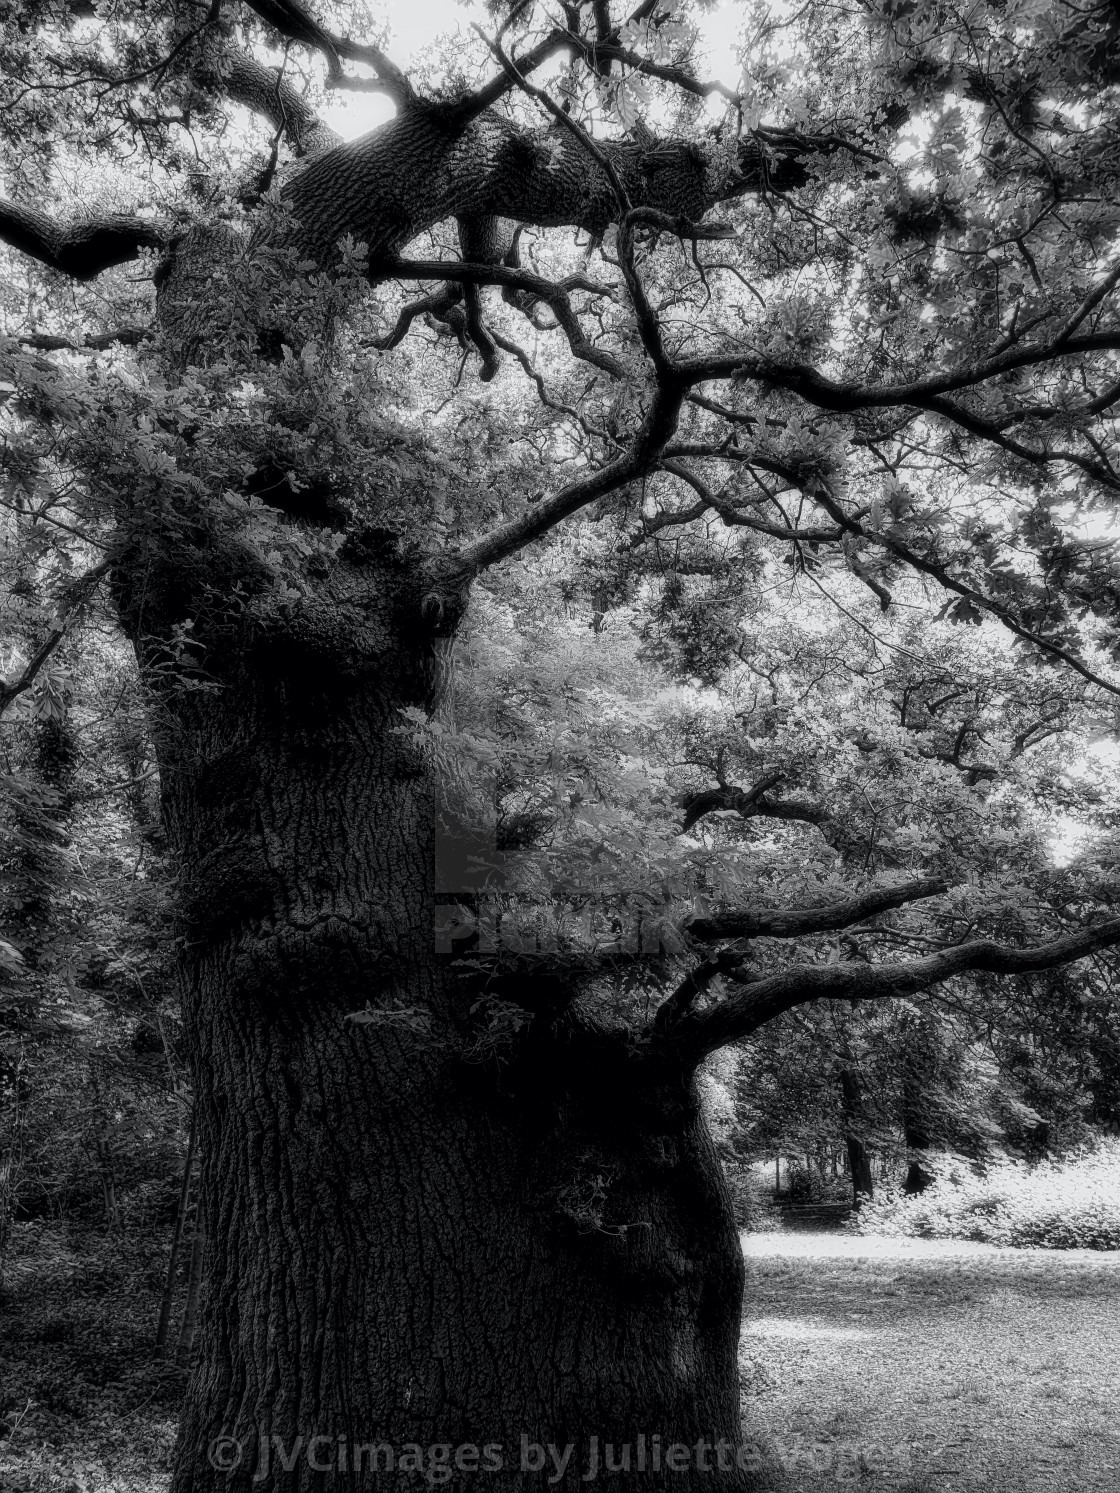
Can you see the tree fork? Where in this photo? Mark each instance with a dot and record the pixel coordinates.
(417, 1233)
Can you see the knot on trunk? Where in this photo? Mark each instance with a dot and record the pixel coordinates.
(219, 293)
(446, 591)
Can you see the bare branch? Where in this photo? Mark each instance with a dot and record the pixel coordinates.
(555, 294)
(731, 515)
(110, 788)
(91, 342)
(75, 596)
(611, 51)
(994, 431)
(509, 346)
(473, 104)
(851, 525)
(1089, 304)
(438, 303)
(938, 572)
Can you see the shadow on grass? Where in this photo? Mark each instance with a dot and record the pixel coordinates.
(921, 1373)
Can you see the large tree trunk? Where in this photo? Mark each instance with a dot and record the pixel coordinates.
(416, 1235)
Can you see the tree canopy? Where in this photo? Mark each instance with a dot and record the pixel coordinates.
(881, 383)
(617, 565)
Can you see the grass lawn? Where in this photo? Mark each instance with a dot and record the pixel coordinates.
(929, 1366)
(870, 1364)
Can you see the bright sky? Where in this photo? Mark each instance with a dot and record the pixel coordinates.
(417, 23)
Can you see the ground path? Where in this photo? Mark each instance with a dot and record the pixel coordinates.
(930, 1365)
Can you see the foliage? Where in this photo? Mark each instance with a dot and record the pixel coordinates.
(84, 1399)
(88, 1017)
(566, 732)
(1073, 1204)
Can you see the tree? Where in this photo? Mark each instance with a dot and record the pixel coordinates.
(85, 974)
(489, 1207)
(874, 768)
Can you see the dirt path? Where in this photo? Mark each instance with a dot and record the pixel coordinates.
(925, 1366)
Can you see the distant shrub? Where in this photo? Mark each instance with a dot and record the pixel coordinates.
(799, 1187)
(753, 1200)
(1050, 1205)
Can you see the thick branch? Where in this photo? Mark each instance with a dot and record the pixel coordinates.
(795, 810)
(537, 520)
(82, 249)
(290, 19)
(845, 398)
(782, 922)
(763, 1000)
(238, 75)
(792, 810)
(555, 294)
(727, 796)
(676, 1006)
(293, 21)
(425, 166)
(438, 303)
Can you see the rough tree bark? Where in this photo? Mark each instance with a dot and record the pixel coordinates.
(194, 1289)
(859, 1161)
(177, 1239)
(412, 1238)
(920, 1061)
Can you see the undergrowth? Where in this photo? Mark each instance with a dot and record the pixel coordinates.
(1050, 1205)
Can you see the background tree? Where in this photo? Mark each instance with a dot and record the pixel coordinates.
(898, 366)
(86, 1000)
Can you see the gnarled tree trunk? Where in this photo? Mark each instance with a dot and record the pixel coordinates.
(417, 1235)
